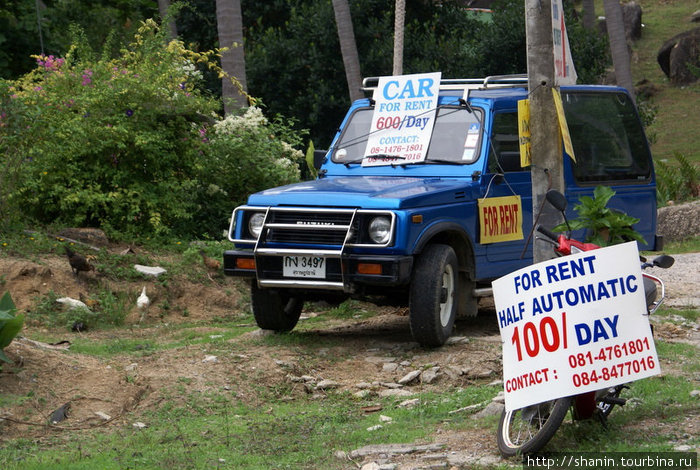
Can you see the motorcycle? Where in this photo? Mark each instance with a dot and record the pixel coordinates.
(527, 430)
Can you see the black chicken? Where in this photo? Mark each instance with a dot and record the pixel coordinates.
(78, 262)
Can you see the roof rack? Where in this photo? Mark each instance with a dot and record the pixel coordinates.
(493, 81)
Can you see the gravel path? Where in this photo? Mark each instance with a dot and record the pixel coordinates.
(682, 280)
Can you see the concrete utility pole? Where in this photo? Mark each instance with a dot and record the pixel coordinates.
(547, 162)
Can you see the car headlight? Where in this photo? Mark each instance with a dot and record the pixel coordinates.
(380, 229)
(255, 223)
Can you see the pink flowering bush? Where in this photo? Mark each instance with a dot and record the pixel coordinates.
(128, 144)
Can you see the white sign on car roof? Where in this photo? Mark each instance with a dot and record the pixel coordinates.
(403, 119)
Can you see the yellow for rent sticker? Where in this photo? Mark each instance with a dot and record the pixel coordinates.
(500, 219)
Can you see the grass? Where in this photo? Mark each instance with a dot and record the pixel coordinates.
(193, 429)
(217, 431)
(689, 245)
(663, 20)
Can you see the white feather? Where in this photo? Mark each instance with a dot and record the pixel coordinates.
(143, 301)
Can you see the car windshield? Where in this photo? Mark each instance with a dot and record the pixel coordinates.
(607, 136)
(456, 138)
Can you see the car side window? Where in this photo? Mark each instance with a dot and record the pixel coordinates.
(504, 153)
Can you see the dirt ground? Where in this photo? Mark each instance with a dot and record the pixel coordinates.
(360, 355)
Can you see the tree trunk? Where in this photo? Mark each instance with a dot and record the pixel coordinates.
(348, 48)
(589, 17)
(400, 17)
(229, 20)
(618, 44)
(163, 6)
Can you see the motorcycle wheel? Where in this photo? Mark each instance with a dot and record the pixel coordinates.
(528, 429)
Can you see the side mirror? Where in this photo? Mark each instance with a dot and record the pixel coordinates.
(556, 199)
(664, 261)
(319, 157)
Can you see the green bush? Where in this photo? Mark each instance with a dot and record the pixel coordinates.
(677, 183)
(10, 324)
(126, 144)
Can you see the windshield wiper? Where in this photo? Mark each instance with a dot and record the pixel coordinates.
(432, 160)
(379, 156)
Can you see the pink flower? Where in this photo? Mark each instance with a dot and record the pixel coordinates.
(87, 74)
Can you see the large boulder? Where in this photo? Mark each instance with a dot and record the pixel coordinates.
(679, 57)
(679, 222)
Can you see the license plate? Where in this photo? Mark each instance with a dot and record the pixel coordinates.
(304, 266)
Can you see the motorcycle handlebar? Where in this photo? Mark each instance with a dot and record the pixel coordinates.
(551, 235)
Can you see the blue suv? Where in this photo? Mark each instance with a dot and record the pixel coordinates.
(427, 232)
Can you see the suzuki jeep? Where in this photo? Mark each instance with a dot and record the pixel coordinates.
(422, 199)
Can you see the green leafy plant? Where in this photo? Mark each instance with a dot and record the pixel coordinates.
(604, 226)
(134, 144)
(679, 182)
(10, 324)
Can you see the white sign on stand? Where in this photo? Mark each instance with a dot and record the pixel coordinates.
(573, 325)
(403, 119)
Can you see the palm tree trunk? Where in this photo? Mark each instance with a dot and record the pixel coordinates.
(400, 17)
(618, 44)
(229, 20)
(348, 48)
(589, 14)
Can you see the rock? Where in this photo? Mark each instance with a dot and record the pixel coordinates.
(395, 392)
(139, 425)
(390, 367)
(394, 449)
(632, 17)
(492, 409)
(327, 385)
(410, 403)
(390, 385)
(376, 427)
(453, 372)
(480, 373)
(103, 415)
(410, 377)
(679, 56)
(340, 455)
(429, 376)
(695, 393)
(457, 340)
(361, 394)
(370, 466)
(379, 360)
(695, 17)
(469, 408)
(385, 419)
(210, 358)
(680, 221)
